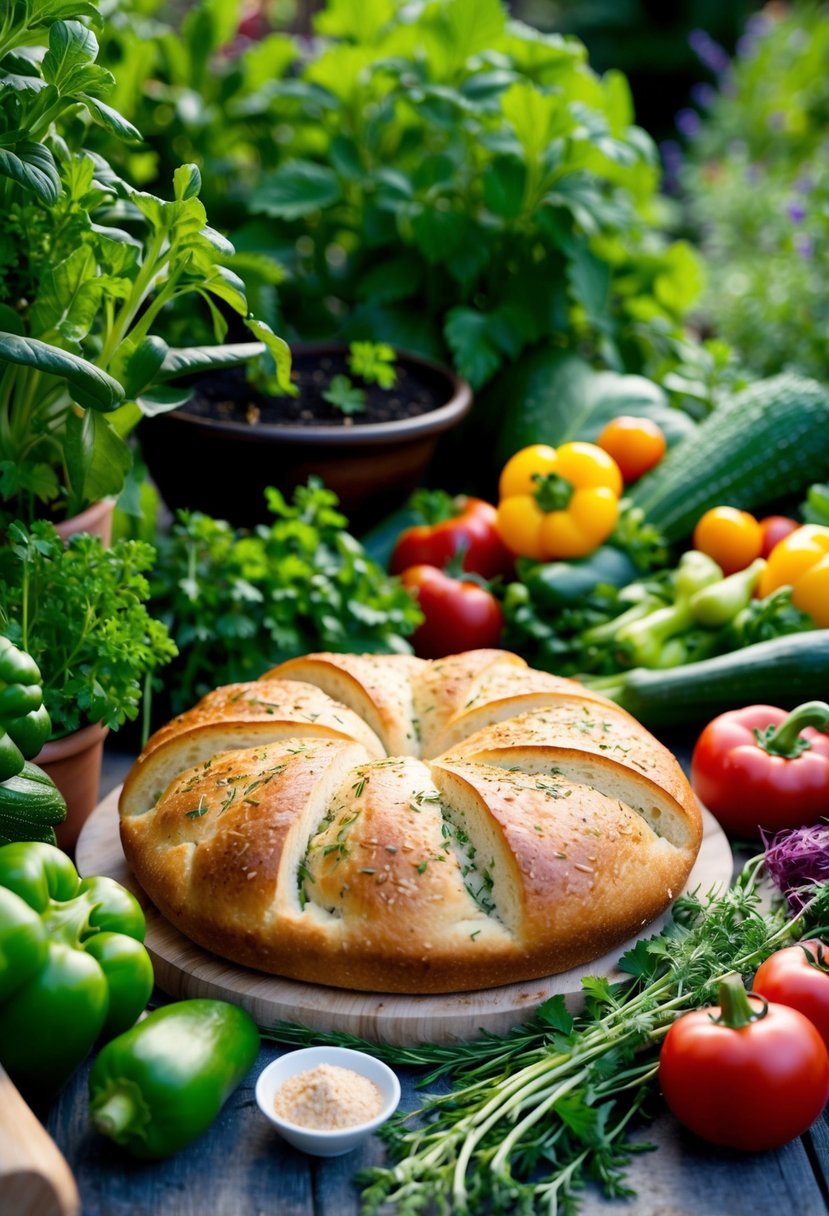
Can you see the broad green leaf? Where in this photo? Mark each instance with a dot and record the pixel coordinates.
(161, 400)
(69, 64)
(186, 182)
(97, 459)
(589, 279)
(505, 181)
(475, 354)
(437, 234)
(267, 60)
(33, 167)
(360, 21)
(394, 278)
(58, 294)
(188, 360)
(618, 102)
(297, 188)
(536, 118)
(41, 12)
(88, 385)
(342, 70)
(227, 286)
(279, 351)
(218, 242)
(680, 283)
(142, 365)
(456, 30)
(106, 116)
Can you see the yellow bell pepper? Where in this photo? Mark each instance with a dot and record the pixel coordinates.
(558, 502)
(801, 561)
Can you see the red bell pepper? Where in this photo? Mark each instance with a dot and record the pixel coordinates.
(758, 767)
(470, 533)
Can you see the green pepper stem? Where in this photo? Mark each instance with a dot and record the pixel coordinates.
(114, 1116)
(735, 1008)
(552, 491)
(786, 740)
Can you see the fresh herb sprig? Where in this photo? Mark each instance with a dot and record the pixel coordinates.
(535, 1115)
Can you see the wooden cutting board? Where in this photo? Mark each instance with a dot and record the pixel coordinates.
(183, 969)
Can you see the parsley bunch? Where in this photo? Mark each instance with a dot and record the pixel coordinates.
(80, 612)
(239, 602)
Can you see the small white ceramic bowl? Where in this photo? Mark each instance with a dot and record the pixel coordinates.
(319, 1142)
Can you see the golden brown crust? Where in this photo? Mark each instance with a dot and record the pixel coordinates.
(551, 828)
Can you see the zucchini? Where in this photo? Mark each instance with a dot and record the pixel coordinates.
(31, 797)
(784, 671)
(767, 442)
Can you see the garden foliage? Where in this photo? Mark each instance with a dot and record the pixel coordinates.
(757, 185)
(430, 174)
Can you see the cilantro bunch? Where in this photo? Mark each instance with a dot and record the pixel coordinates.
(80, 611)
(239, 602)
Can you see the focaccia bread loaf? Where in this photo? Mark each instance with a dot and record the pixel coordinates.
(384, 823)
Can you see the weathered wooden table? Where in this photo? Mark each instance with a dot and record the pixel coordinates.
(240, 1167)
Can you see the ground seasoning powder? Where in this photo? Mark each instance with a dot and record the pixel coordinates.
(328, 1097)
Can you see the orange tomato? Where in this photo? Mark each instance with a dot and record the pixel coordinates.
(733, 538)
(636, 444)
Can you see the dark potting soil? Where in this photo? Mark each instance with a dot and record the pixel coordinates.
(226, 395)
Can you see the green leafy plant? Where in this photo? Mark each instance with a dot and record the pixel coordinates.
(757, 194)
(347, 398)
(445, 179)
(373, 362)
(80, 612)
(237, 603)
(88, 267)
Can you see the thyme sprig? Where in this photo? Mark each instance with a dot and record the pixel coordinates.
(534, 1115)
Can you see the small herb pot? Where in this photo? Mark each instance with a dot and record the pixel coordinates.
(219, 452)
(317, 1141)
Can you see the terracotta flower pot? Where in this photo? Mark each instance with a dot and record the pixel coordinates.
(222, 467)
(97, 520)
(74, 764)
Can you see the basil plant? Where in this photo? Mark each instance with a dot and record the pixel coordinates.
(88, 266)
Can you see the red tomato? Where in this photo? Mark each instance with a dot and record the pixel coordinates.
(471, 531)
(797, 977)
(775, 528)
(754, 1086)
(747, 787)
(459, 615)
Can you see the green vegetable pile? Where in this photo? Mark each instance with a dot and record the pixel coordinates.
(30, 802)
(237, 602)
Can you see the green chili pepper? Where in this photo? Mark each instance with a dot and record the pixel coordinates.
(85, 973)
(162, 1083)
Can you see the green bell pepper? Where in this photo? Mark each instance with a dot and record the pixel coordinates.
(162, 1083)
(24, 720)
(82, 974)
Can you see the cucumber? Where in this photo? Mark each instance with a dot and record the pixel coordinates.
(770, 441)
(31, 797)
(784, 672)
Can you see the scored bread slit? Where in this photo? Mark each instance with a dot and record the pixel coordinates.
(606, 776)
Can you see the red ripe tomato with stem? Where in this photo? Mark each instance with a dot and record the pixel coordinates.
(798, 976)
(747, 1073)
